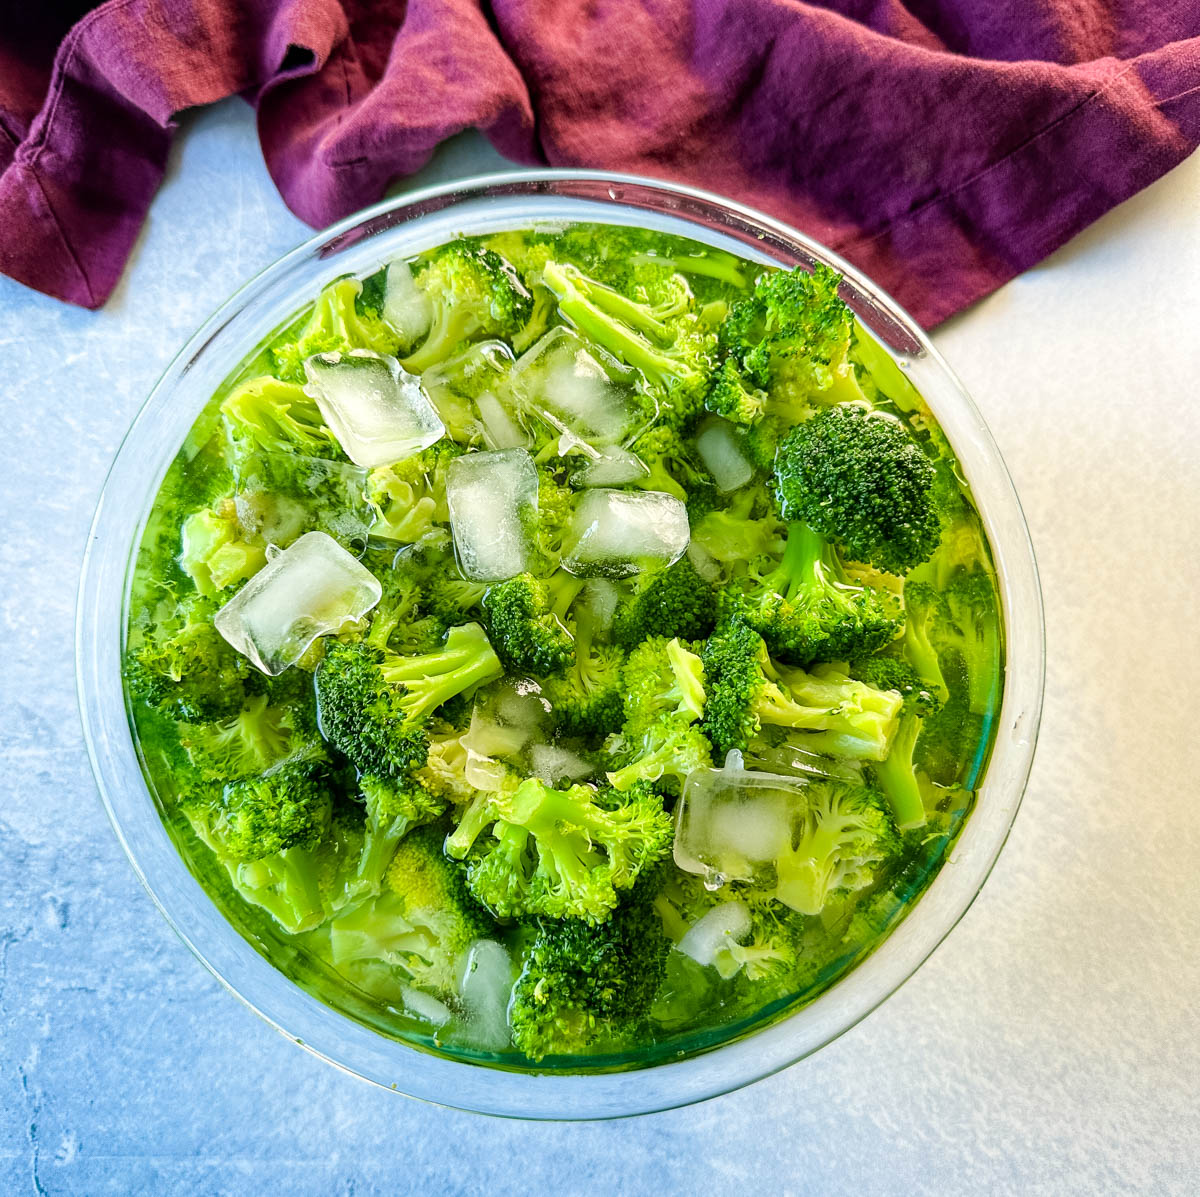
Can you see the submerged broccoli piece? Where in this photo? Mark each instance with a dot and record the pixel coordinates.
(409, 497)
(265, 415)
(847, 841)
(661, 751)
(394, 806)
(669, 602)
(859, 479)
(586, 987)
(335, 326)
(261, 734)
(676, 470)
(473, 292)
(372, 703)
(527, 634)
(790, 338)
(662, 677)
(214, 552)
(808, 610)
(968, 625)
(842, 717)
(558, 853)
(586, 700)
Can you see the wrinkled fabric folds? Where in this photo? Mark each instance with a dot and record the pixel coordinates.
(943, 146)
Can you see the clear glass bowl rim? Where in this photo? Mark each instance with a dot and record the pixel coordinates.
(155, 436)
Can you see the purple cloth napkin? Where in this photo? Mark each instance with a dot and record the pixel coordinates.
(941, 145)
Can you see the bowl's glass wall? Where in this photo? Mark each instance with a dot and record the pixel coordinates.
(358, 246)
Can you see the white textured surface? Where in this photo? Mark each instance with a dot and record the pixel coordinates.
(1050, 1046)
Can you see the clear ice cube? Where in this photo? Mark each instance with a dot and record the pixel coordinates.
(405, 306)
(484, 995)
(280, 496)
(310, 589)
(584, 394)
(717, 444)
(492, 498)
(613, 466)
(618, 533)
(733, 824)
(455, 387)
(379, 412)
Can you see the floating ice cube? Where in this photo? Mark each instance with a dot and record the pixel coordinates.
(708, 938)
(310, 589)
(455, 387)
(499, 426)
(613, 467)
(279, 496)
(492, 498)
(552, 763)
(484, 994)
(580, 391)
(617, 533)
(405, 306)
(717, 445)
(733, 824)
(426, 1007)
(379, 413)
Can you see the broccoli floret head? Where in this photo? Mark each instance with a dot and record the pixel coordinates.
(266, 415)
(559, 853)
(668, 602)
(662, 677)
(474, 292)
(394, 806)
(661, 752)
(735, 397)
(286, 807)
(676, 470)
(585, 987)
(526, 633)
(860, 480)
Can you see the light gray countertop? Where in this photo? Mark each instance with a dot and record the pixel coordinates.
(1051, 1045)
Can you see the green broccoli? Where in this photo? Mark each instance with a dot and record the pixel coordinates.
(394, 806)
(524, 630)
(586, 987)
(661, 751)
(662, 677)
(409, 497)
(474, 292)
(259, 735)
(676, 470)
(586, 700)
(214, 552)
(841, 717)
(734, 396)
(335, 325)
(558, 853)
(848, 840)
(968, 625)
(265, 415)
(669, 602)
(808, 610)
(860, 480)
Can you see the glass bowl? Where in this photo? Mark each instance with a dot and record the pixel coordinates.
(403, 227)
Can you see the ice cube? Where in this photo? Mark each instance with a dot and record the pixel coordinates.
(552, 763)
(613, 467)
(617, 533)
(708, 938)
(405, 306)
(310, 589)
(379, 412)
(484, 994)
(279, 496)
(454, 386)
(733, 824)
(499, 426)
(492, 498)
(580, 391)
(425, 1007)
(717, 445)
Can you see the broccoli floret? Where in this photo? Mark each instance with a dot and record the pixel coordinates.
(178, 662)
(662, 751)
(734, 539)
(842, 717)
(669, 602)
(662, 677)
(921, 603)
(848, 840)
(807, 609)
(282, 808)
(335, 325)
(556, 505)
(397, 608)
(265, 415)
(859, 479)
(967, 625)
(474, 292)
(409, 497)
(587, 699)
(675, 470)
(454, 599)
(671, 350)
(444, 771)
(524, 630)
(734, 396)
(214, 552)
(260, 735)
(558, 853)
(422, 924)
(584, 987)
(394, 806)
(372, 703)
(790, 337)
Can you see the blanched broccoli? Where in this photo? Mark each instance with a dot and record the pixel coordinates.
(859, 479)
(668, 602)
(968, 625)
(563, 854)
(808, 610)
(265, 415)
(586, 987)
(214, 552)
(676, 470)
(259, 735)
(745, 691)
(474, 292)
(394, 806)
(409, 497)
(661, 752)
(734, 396)
(848, 839)
(524, 629)
(790, 337)
(662, 677)
(335, 326)
(735, 539)
(586, 700)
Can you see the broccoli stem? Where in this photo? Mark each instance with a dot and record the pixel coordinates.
(897, 778)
